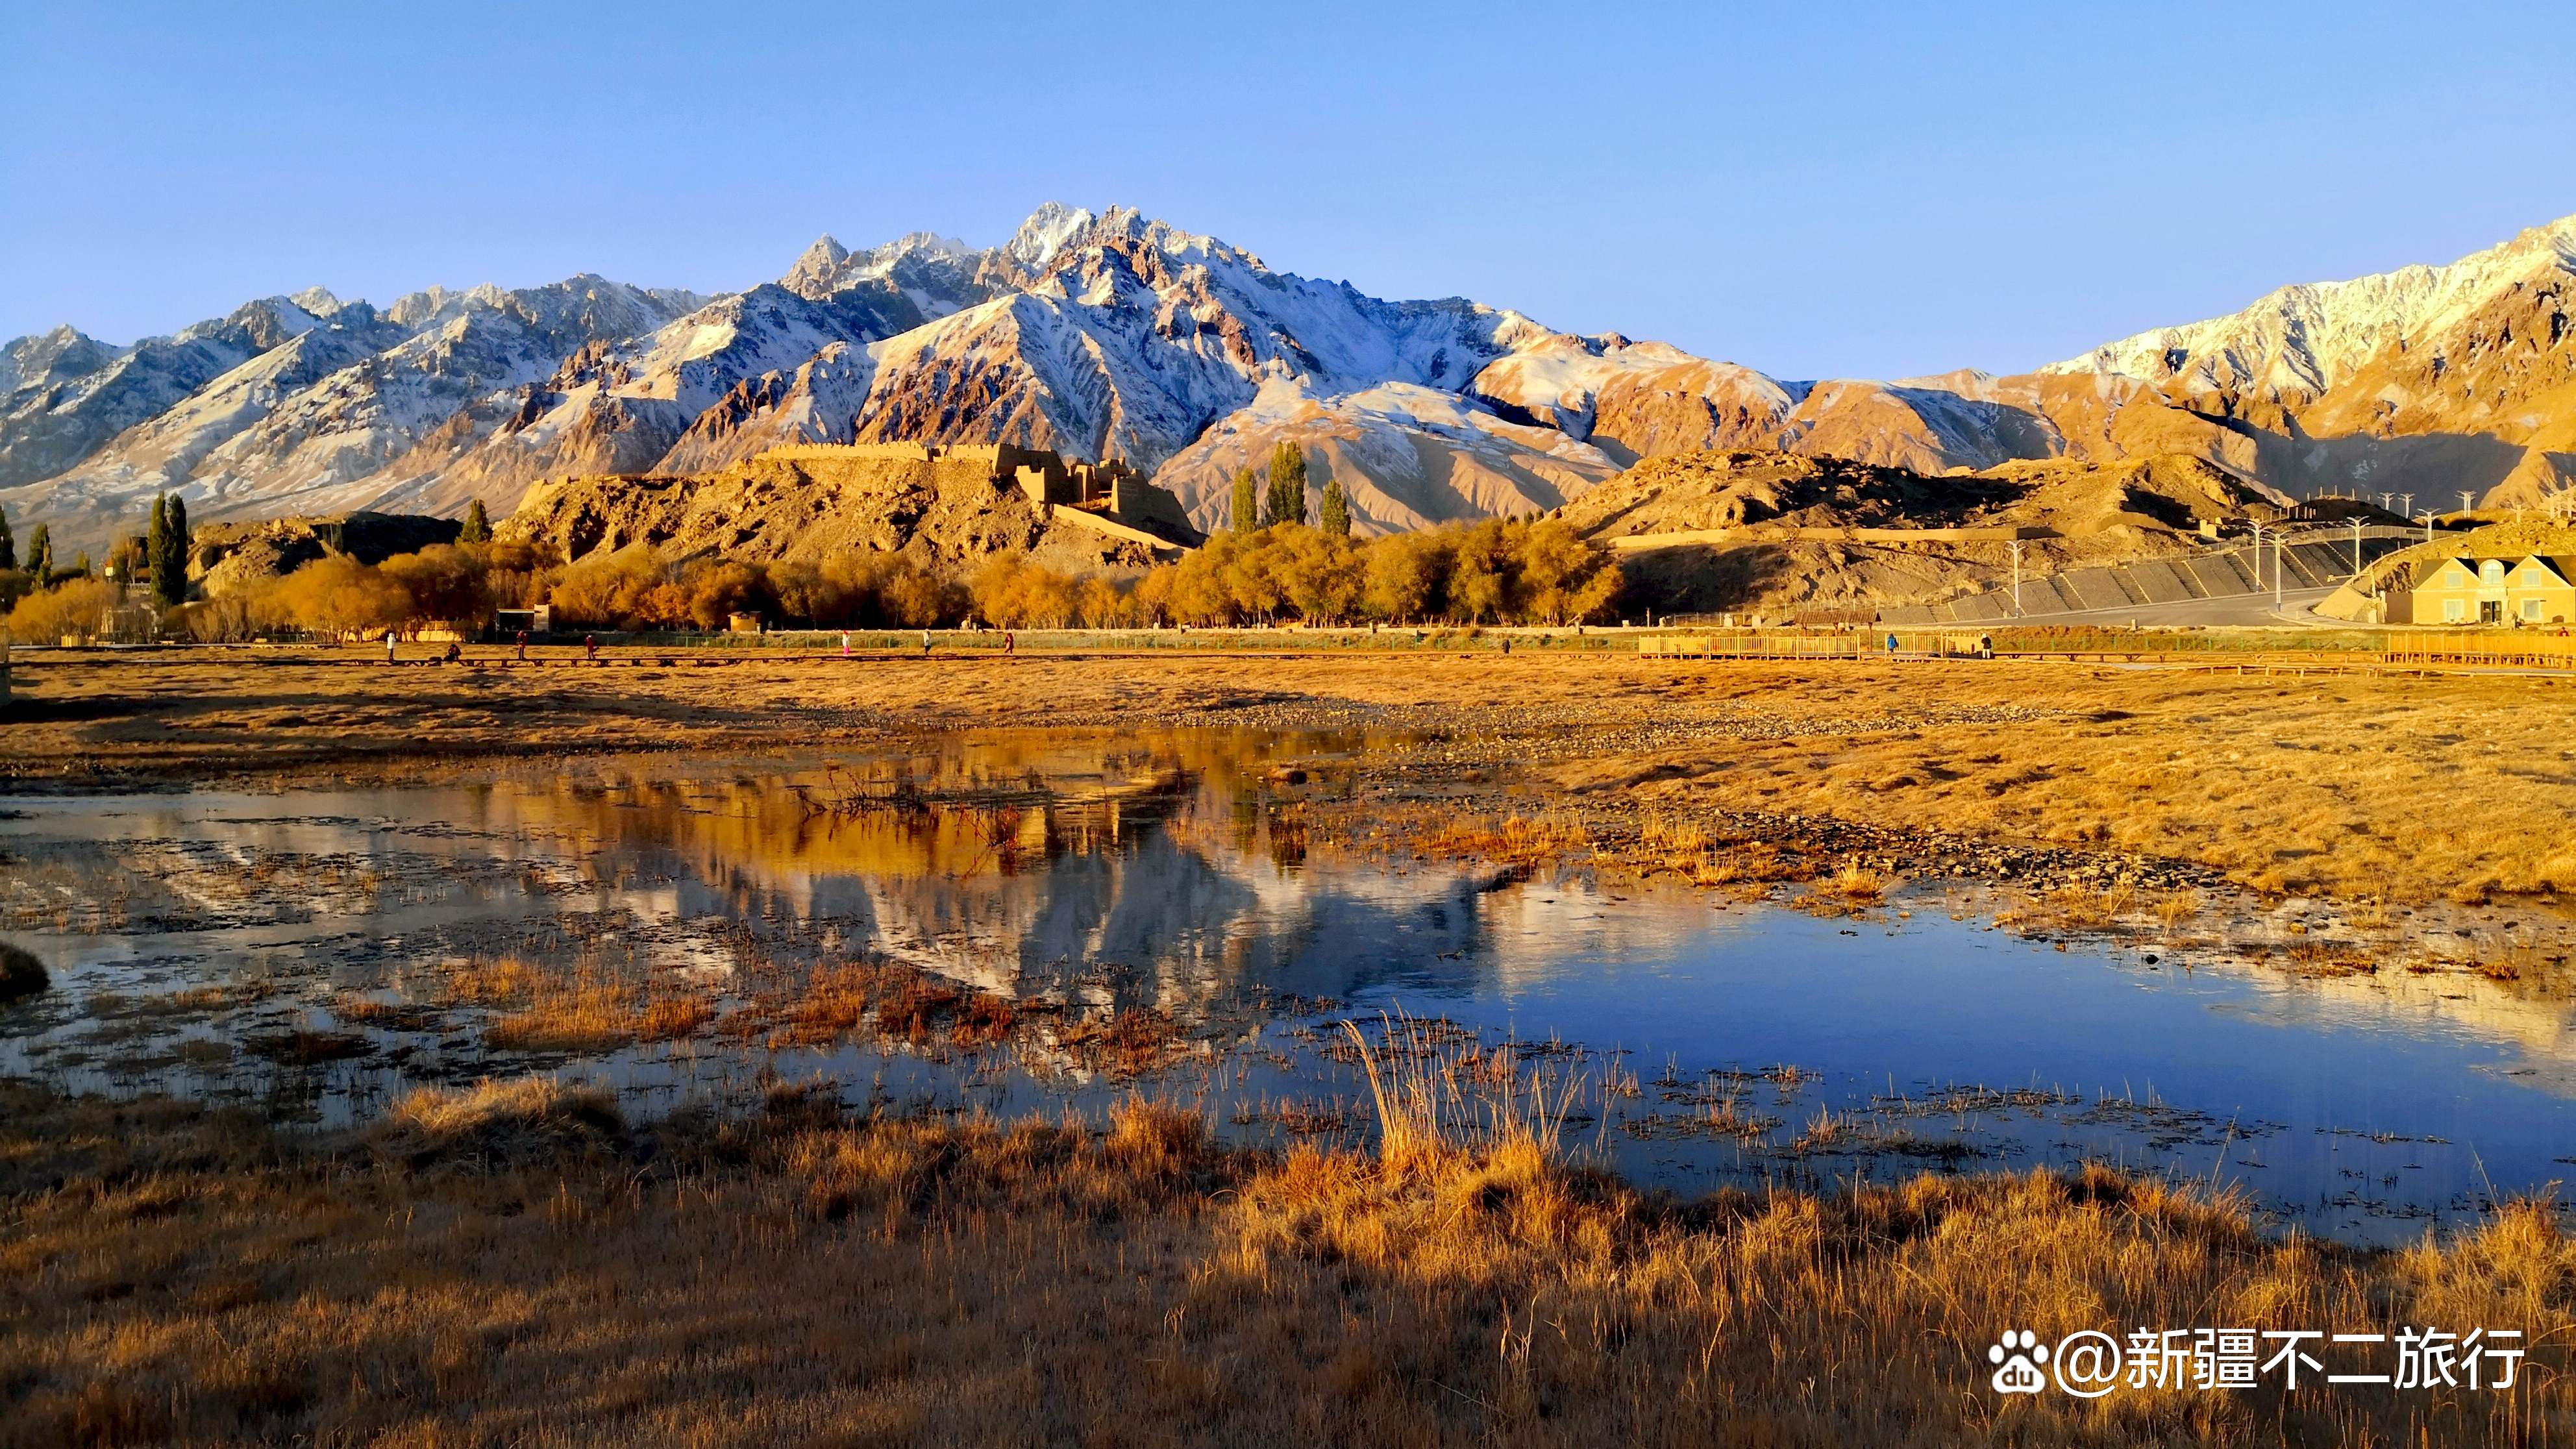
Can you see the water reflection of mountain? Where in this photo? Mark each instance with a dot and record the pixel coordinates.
(1147, 870)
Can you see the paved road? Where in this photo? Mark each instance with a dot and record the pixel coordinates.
(2226, 609)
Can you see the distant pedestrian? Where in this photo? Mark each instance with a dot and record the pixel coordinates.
(925, 643)
(1507, 646)
(845, 643)
(523, 646)
(389, 646)
(1891, 646)
(1010, 642)
(455, 651)
(1985, 646)
(590, 646)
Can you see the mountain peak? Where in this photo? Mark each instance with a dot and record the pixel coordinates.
(815, 269)
(1045, 233)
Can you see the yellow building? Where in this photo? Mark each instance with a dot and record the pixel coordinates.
(2496, 592)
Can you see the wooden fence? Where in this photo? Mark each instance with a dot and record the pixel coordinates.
(2491, 648)
(1764, 644)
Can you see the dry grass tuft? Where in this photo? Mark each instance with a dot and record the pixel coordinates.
(1517, 841)
(1857, 883)
(799, 1277)
(521, 1122)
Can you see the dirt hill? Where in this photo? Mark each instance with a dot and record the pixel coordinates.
(1790, 526)
(808, 503)
(227, 558)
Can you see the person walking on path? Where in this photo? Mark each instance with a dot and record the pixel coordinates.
(590, 647)
(845, 643)
(389, 646)
(1985, 646)
(455, 651)
(523, 646)
(1891, 646)
(925, 643)
(1010, 642)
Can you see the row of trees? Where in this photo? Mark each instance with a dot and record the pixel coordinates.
(1284, 499)
(1496, 571)
(158, 558)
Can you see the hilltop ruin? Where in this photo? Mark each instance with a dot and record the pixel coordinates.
(945, 505)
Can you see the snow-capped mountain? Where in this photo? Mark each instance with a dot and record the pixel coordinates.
(1112, 335)
(2306, 339)
(2431, 379)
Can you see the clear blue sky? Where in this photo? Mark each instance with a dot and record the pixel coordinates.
(1813, 189)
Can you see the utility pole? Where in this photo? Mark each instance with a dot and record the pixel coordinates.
(2258, 556)
(2016, 552)
(2276, 571)
(2356, 548)
(2465, 496)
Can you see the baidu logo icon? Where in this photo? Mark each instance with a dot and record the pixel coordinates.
(2018, 1355)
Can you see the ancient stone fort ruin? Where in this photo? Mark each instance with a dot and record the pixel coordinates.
(1109, 497)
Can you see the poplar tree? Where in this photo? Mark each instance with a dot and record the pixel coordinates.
(8, 545)
(1246, 517)
(478, 524)
(1337, 509)
(164, 560)
(40, 553)
(178, 550)
(1287, 485)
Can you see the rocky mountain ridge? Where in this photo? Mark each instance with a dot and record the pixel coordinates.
(1109, 334)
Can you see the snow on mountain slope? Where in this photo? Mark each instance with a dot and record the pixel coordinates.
(58, 416)
(1408, 456)
(619, 404)
(2426, 380)
(300, 425)
(1638, 398)
(2306, 339)
(53, 358)
(1140, 336)
(817, 403)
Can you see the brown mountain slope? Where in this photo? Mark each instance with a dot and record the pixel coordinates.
(941, 514)
(1770, 503)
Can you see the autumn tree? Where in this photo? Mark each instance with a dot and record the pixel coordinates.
(1287, 503)
(1246, 516)
(1337, 509)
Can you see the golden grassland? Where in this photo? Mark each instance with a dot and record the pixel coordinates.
(515, 1264)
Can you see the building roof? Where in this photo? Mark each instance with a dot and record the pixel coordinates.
(2561, 571)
